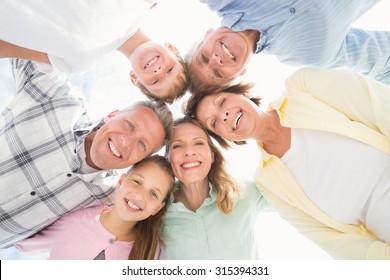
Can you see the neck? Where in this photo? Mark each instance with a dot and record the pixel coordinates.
(276, 138)
(192, 195)
(253, 36)
(87, 146)
(123, 230)
(128, 47)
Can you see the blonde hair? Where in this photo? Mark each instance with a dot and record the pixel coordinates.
(226, 186)
(178, 89)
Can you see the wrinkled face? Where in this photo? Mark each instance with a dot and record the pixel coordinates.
(220, 57)
(142, 192)
(126, 138)
(231, 116)
(156, 67)
(190, 154)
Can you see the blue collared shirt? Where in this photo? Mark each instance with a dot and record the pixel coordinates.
(311, 32)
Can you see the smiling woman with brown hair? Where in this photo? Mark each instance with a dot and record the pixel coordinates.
(315, 143)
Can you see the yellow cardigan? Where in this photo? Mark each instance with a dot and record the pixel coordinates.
(336, 101)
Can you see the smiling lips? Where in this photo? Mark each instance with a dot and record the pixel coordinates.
(237, 120)
(151, 62)
(132, 205)
(114, 150)
(228, 52)
(188, 165)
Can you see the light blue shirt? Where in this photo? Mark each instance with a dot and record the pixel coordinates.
(311, 32)
(208, 233)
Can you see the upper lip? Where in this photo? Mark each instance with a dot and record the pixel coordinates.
(151, 61)
(114, 149)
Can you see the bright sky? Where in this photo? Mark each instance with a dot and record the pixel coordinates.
(181, 23)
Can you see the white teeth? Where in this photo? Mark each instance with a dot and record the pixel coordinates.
(237, 120)
(191, 164)
(227, 51)
(150, 63)
(133, 206)
(113, 150)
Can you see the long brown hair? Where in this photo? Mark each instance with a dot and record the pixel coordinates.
(226, 187)
(147, 232)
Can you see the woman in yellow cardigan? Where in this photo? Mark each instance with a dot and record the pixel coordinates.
(325, 147)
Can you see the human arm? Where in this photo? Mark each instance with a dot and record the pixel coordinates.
(359, 98)
(14, 51)
(339, 245)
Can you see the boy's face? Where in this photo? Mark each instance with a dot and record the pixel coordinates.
(156, 67)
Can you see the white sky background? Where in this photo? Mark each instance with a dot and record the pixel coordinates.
(181, 23)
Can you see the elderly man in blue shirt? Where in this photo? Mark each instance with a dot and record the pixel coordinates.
(298, 32)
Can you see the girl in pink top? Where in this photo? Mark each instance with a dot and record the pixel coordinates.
(128, 230)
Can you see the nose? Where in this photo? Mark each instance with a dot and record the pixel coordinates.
(127, 140)
(157, 70)
(224, 116)
(189, 151)
(215, 60)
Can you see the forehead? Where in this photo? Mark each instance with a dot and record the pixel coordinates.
(187, 131)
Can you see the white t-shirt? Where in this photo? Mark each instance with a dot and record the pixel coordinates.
(347, 179)
(75, 34)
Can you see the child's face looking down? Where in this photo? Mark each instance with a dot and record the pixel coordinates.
(156, 67)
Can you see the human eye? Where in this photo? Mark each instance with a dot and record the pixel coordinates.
(204, 58)
(212, 124)
(199, 143)
(136, 181)
(154, 194)
(142, 145)
(176, 146)
(218, 74)
(155, 82)
(130, 125)
(170, 70)
(221, 102)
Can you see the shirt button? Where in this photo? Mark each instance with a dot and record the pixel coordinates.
(69, 175)
(111, 240)
(292, 10)
(33, 193)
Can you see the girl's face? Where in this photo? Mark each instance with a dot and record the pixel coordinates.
(231, 116)
(190, 153)
(142, 192)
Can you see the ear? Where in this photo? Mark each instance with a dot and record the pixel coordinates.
(120, 181)
(158, 209)
(154, 4)
(133, 78)
(242, 73)
(172, 48)
(111, 115)
(208, 32)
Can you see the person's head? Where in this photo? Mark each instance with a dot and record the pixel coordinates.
(159, 71)
(229, 113)
(130, 135)
(195, 158)
(219, 57)
(142, 196)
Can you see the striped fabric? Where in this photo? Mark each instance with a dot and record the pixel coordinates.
(311, 32)
(41, 135)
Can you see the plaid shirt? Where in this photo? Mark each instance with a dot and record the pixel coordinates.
(42, 132)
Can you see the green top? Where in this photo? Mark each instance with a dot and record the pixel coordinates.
(210, 234)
